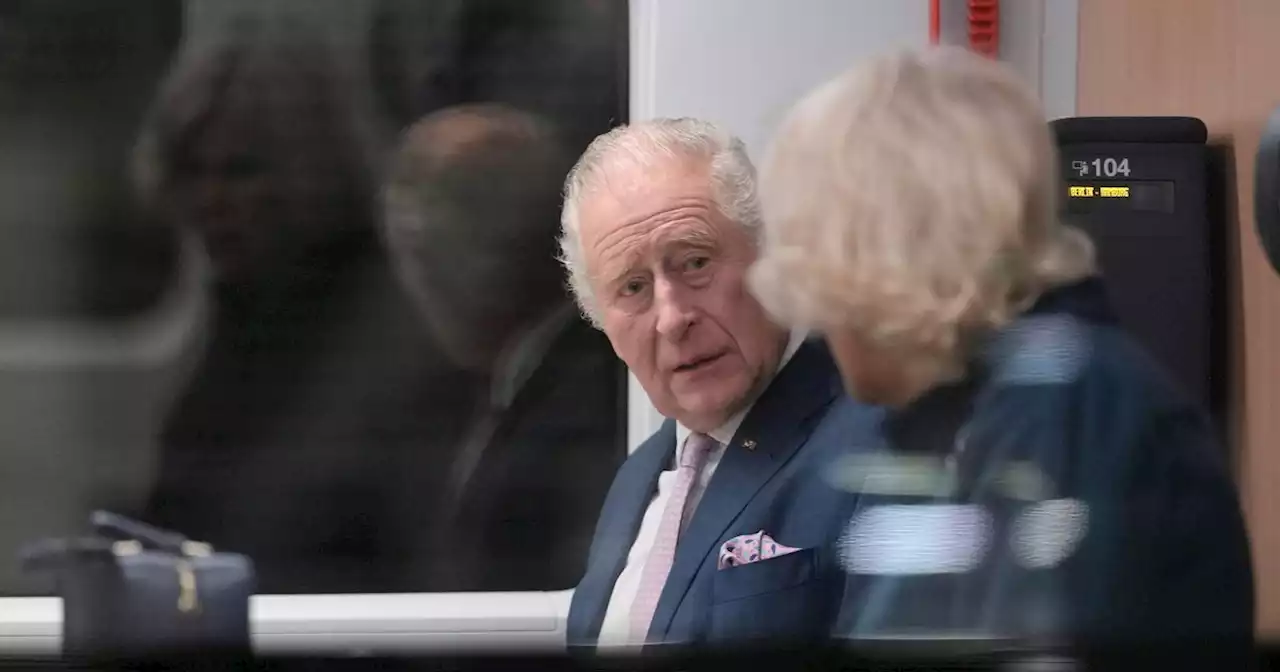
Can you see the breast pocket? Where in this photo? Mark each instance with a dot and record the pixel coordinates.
(784, 597)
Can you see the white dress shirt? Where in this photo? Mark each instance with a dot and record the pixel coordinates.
(615, 631)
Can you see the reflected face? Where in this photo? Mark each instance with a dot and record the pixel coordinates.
(474, 309)
(221, 189)
(472, 208)
(667, 271)
(259, 198)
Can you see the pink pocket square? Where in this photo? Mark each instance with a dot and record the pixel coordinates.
(750, 548)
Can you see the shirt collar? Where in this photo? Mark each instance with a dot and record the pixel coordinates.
(724, 433)
(522, 357)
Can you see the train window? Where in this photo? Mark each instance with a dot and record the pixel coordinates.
(73, 82)
(280, 275)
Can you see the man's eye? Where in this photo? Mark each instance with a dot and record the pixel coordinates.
(697, 263)
(632, 287)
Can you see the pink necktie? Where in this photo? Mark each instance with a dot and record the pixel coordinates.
(658, 565)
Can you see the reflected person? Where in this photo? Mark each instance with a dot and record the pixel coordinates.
(911, 217)
(252, 145)
(470, 220)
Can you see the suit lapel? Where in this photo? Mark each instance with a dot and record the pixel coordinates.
(772, 432)
(624, 513)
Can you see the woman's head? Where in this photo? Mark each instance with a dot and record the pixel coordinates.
(254, 144)
(910, 208)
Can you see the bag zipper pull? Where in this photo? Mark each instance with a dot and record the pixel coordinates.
(188, 598)
(188, 595)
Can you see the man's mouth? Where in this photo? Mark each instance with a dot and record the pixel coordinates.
(698, 362)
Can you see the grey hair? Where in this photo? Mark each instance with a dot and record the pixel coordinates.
(733, 182)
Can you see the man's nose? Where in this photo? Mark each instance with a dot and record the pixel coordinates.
(675, 312)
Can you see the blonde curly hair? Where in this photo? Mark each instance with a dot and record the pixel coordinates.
(913, 201)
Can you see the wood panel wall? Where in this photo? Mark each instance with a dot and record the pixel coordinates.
(1218, 60)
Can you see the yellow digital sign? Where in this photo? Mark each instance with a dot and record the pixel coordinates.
(1087, 196)
(1088, 191)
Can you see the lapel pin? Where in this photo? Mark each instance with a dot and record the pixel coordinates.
(749, 444)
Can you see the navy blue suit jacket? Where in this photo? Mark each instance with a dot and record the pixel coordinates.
(800, 422)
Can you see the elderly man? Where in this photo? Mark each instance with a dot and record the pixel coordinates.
(713, 529)
(533, 429)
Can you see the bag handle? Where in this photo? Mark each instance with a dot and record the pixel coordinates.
(117, 527)
(125, 530)
(117, 536)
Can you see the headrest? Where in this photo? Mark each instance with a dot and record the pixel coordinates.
(1077, 130)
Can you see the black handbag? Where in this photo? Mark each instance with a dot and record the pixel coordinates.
(135, 591)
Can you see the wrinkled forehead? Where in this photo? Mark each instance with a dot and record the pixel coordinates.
(626, 194)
